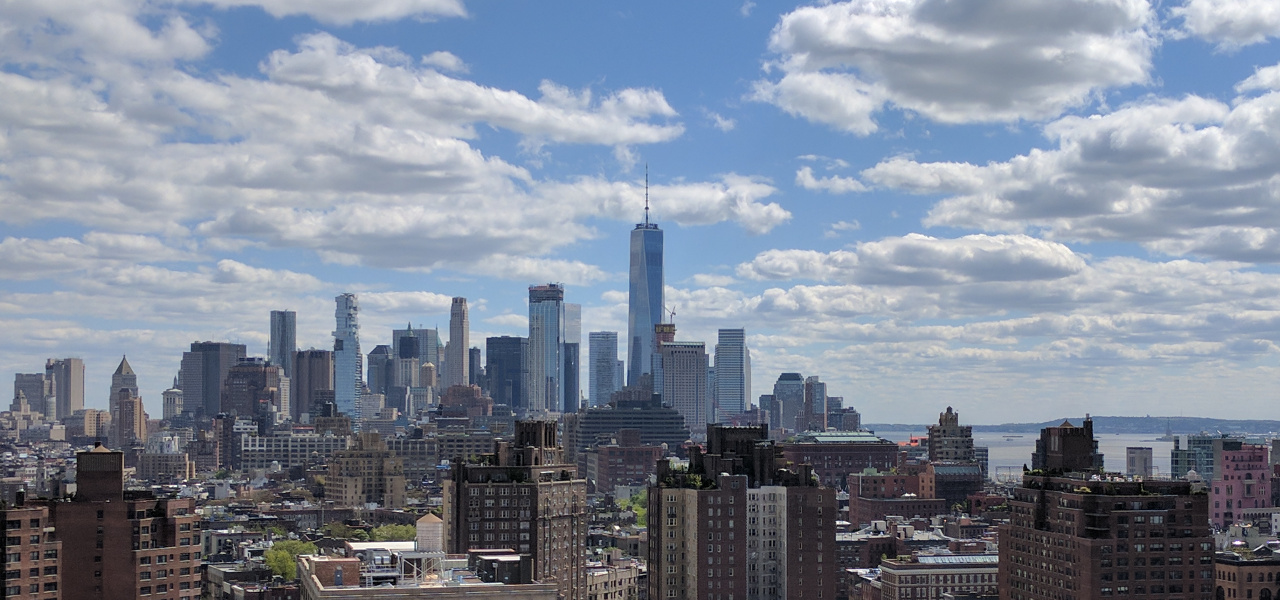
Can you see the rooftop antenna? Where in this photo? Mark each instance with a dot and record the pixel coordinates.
(646, 194)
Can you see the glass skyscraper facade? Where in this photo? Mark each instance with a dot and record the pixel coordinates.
(284, 340)
(546, 347)
(644, 301)
(733, 371)
(348, 362)
(602, 359)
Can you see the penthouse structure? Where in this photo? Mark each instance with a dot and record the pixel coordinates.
(949, 440)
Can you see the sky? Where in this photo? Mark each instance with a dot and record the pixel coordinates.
(1024, 209)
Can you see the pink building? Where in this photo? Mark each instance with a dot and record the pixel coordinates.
(1242, 480)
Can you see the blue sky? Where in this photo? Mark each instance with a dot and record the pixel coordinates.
(1023, 209)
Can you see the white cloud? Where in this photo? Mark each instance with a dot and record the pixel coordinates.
(1230, 23)
(839, 227)
(721, 122)
(918, 260)
(1188, 176)
(346, 12)
(445, 60)
(983, 61)
(831, 185)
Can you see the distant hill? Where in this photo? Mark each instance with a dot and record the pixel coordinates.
(1156, 425)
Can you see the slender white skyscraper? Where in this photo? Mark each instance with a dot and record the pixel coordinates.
(733, 371)
(644, 301)
(546, 347)
(457, 358)
(348, 362)
(284, 340)
(602, 356)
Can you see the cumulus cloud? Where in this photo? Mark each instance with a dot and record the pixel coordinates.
(445, 60)
(839, 227)
(346, 12)
(833, 184)
(921, 260)
(986, 61)
(1184, 176)
(1229, 23)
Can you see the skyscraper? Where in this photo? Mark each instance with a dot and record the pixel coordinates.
(788, 397)
(123, 379)
(546, 347)
(379, 372)
(203, 374)
(733, 371)
(348, 362)
(506, 370)
(684, 382)
(284, 340)
(35, 387)
(313, 373)
(457, 358)
(571, 390)
(644, 300)
(602, 359)
(474, 362)
(427, 344)
(813, 415)
(67, 375)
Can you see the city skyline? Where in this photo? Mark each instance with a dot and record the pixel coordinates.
(1066, 209)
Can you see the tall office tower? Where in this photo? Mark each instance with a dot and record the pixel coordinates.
(772, 413)
(525, 497)
(684, 382)
(733, 371)
(379, 370)
(252, 391)
(506, 371)
(788, 397)
(813, 415)
(572, 389)
(474, 362)
(426, 343)
(546, 347)
(662, 333)
(602, 360)
(644, 299)
(949, 440)
(67, 375)
(313, 373)
(457, 351)
(128, 419)
(172, 402)
(1073, 536)
(348, 362)
(34, 387)
(104, 558)
(203, 374)
(283, 343)
(124, 378)
(737, 524)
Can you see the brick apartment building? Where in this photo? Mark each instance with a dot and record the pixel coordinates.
(525, 498)
(32, 553)
(124, 545)
(737, 525)
(1073, 536)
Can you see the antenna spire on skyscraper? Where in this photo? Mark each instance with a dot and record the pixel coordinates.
(646, 194)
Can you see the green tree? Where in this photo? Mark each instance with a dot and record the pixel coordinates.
(393, 533)
(638, 504)
(282, 557)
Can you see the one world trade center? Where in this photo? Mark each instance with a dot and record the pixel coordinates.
(645, 299)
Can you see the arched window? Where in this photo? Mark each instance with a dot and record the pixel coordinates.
(1220, 594)
(1264, 595)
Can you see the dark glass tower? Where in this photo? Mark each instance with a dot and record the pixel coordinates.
(506, 370)
(645, 297)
